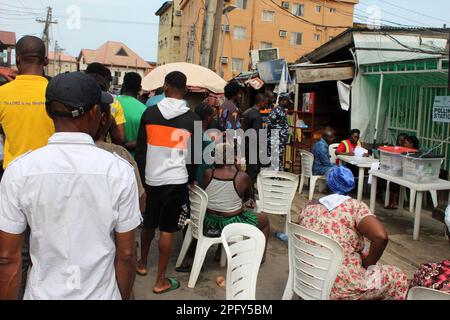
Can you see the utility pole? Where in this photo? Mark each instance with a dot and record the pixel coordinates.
(58, 52)
(46, 33)
(215, 43)
(208, 32)
(191, 45)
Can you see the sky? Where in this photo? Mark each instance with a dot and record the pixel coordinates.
(134, 22)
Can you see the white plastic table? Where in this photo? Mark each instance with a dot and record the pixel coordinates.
(363, 164)
(420, 188)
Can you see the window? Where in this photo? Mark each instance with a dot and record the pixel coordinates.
(317, 37)
(285, 4)
(268, 15)
(283, 33)
(242, 4)
(298, 9)
(318, 9)
(176, 38)
(224, 60)
(333, 10)
(265, 45)
(296, 38)
(238, 65)
(239, 33)
(122, 53)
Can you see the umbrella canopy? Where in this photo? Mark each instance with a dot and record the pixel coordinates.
(197, 77)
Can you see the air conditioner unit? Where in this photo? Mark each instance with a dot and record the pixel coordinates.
(178, 13)
(226, 27)
(224, 60)
(283, 34)
(285, 5)
(263, 55)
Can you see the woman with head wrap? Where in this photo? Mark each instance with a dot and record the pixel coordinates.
(350, 223)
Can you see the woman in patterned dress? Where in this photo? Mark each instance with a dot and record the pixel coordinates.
(350, 222)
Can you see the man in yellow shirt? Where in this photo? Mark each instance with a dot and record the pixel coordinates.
(22, 102)
(104, 78)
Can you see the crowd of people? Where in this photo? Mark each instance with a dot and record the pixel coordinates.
(85, 169)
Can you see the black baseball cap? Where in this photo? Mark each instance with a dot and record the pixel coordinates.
(77, 91)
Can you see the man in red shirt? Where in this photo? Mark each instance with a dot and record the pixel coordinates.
(347, 147)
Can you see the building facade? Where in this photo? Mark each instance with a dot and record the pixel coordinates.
(169, 49)
(294, 27)
(59, 62)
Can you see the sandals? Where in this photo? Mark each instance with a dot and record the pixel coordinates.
(174, 285)
(142, 271)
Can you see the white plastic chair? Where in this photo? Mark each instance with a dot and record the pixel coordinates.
(313, 268)
(420, 293)
(244, 260)
(276, 191)
(307, 159)
(332, 150)
(199, 204)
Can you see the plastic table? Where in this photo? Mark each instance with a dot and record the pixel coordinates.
(363, 164)
(420, 188)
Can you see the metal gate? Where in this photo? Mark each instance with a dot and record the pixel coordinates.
(411, 112)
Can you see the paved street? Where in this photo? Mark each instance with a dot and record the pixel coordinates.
(402, 252)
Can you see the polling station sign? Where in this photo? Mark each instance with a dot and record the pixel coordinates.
(441, 109)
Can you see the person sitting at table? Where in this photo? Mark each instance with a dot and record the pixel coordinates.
(413, 143)
(395, 188)
(322, 164)
(350, 222)
(348, 147)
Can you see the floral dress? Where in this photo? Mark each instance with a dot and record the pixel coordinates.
(354, 282)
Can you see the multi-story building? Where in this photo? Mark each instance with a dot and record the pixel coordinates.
(169, 32)
(59, 62)
(294, 27)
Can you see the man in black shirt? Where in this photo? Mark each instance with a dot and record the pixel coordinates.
(254, 121)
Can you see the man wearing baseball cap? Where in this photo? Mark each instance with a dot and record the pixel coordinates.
(80, 202)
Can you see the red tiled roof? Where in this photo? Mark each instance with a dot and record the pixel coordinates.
(107, 55)
(8, 38)
(64, 57)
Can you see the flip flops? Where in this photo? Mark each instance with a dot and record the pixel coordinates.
(174, 285)
(143, 272)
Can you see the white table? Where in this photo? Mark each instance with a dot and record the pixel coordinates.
(420, 188)
(363, 164)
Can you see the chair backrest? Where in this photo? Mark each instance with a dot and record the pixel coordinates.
(332, 150)
(244, 260)
(314, 262)
(307, 159)
(199, 204)
(276, 191)
(419, 293)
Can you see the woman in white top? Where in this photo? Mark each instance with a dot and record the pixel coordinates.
(227, 190)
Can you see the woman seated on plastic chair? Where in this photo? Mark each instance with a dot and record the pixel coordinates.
(349, 222)
(228, 189)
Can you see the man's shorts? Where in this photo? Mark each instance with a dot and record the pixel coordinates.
(167, 207)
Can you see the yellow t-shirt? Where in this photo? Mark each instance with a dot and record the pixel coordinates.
(23, 116)
(117, 112)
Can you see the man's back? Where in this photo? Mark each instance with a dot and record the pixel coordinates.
(23, 116)
(74, 196)
(133, 110)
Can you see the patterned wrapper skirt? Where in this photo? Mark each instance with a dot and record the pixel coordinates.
(214, 225)
(434, 276)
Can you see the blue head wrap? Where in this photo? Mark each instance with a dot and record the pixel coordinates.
(340, 180)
